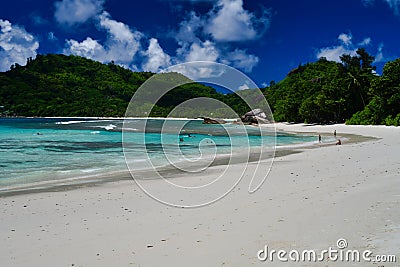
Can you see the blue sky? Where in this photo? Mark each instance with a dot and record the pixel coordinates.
(264, 39)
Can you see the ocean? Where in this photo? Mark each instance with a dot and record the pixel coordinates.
(41, 150)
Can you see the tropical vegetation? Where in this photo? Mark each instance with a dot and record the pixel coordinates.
(319, 92)
(350, 91)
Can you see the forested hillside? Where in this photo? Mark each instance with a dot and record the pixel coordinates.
(59, 85)
(351, 92)
(319, 92)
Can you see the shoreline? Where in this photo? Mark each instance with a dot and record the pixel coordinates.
(171, 172)
(309, 201)
(102, 118)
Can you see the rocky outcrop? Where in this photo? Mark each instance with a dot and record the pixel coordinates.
(207, 120)
(256, 116)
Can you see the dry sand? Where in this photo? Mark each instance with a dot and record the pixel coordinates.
(309, 201)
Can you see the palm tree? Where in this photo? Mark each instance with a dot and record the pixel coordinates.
(355, 86)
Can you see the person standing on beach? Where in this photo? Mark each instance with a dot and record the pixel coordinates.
(334, 133)
(319, 138)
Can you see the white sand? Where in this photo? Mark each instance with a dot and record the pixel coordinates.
(309, 200)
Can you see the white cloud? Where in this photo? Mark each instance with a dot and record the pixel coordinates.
(16, 45)
(77, 11)
(240, 59)
(366, 41)
(202, 51)
(379, 56)
(121, 46)
(198, 38)
(87, 48)
(229, 21)
(156, 57)
(333, 53)
(5, 26)
(199, 70)
(194, 1)
(393, 4)
(345, 38)
(243, 87)
(118, 30)
(51, 36)
(208, 52)
(368, 3)
(189, 29)
(192, 48)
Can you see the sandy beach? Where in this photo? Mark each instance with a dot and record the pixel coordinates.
(309, 201)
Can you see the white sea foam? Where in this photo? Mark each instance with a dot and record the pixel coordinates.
(110, 127)
(91, 170)
(76, 122)
(69, 122)
(106, 127)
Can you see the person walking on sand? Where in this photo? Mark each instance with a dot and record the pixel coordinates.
(334, 133)
(319, 138)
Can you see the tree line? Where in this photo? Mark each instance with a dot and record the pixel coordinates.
(327, 92)
(319, 92)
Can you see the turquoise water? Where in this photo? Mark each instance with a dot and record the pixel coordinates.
(38, 149)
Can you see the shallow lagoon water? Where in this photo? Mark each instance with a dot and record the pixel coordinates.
(48, 149)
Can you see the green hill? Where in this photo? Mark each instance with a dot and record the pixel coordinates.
(326, 91)
(319, 92)
(59, 85)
